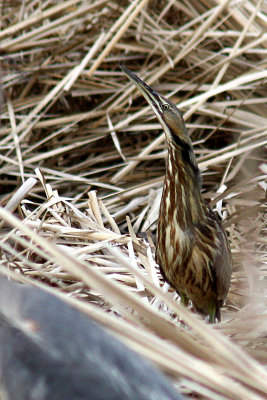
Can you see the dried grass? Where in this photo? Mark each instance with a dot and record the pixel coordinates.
(83, 163)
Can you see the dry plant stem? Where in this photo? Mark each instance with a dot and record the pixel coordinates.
(78, 70)
(14, 44)
(37, 18)
(20, 194)
(126, 20)
(225, 66)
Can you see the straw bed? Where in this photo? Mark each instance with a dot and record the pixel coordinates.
(82, 164)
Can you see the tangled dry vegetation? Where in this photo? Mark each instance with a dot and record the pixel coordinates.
(82, 166)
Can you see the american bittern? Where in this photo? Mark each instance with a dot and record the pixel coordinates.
(192, 247)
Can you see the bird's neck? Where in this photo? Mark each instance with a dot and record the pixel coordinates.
(182, 187)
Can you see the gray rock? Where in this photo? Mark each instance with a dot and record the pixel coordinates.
(50, 350)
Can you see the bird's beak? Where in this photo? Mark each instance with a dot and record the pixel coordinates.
(150, 95)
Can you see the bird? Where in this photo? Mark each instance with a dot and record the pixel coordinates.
(51, 350)
(192, 248)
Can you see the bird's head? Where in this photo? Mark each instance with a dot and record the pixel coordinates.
(166, 112)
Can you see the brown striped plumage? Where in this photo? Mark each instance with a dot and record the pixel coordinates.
(192, 247)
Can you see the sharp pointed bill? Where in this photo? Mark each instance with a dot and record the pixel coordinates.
(153, 98)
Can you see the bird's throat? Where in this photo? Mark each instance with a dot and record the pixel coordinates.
(181, 198)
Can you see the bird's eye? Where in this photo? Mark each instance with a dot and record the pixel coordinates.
(165, 106)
